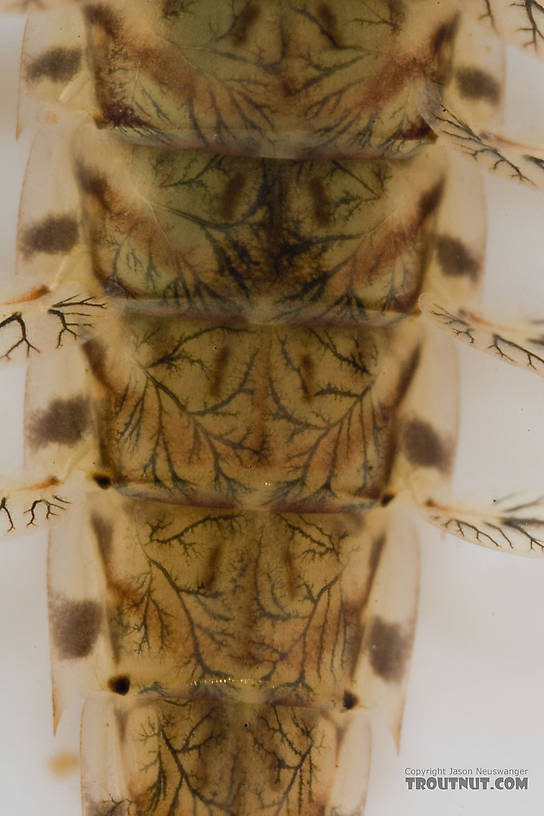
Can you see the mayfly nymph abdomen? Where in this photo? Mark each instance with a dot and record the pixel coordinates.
(242, 227)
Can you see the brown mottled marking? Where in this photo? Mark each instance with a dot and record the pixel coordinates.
(307, 375)
(55, 234)
(243, 23)
(441, 51)
(423, 446)
(430, 200)
(219, 369)
(171, 8)
(96, 355)
(63, 422)
(473, 83)
(231, 194)
(353, 613)
(321, 202)
(397, 11)
(76, 625)
(389, 650)
(103, 531)
(329, 22)
(418, 129)
(455, 259)
(93, 183)
(117, 113)
(103, 17)
(56, 64)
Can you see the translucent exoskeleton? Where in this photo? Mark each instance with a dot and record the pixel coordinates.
(243, 228)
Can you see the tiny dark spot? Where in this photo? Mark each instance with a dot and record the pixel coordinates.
(243, 23)
(386, 499)
(422, 445)
(219, 370)
(119, 684)
(56, 233)
(473, 83)
(76, 625)
(390, 649)
(455, 259)
(102, 481)
(57, 64)
(231, 194)
(103, 531)
(63, 422)
(350, 700)
(322, 206)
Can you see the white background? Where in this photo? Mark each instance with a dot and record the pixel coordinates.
(476, 694)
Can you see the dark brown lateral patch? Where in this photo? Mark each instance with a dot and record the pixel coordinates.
(473, 83)
(55, 234)
(63, 422)
(76, 625)
(422, 445)
(455, 259)
(389, 650)
(244, 22)
(56, 64)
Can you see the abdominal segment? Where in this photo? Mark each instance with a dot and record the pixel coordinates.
(241, 220)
